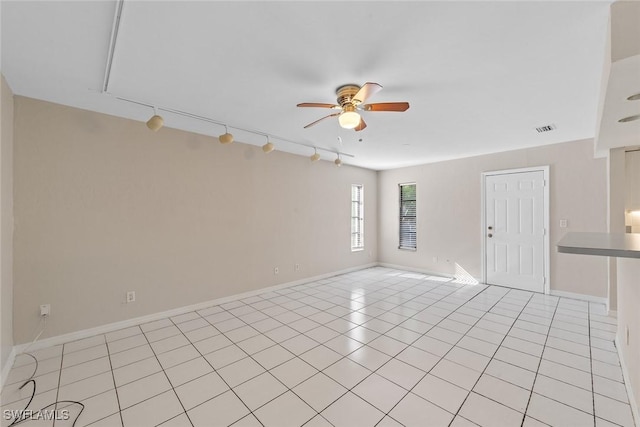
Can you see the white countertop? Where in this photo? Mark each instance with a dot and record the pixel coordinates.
(625, 245)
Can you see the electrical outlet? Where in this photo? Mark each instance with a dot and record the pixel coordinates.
(45, 310)
(297, 267)
(564, 223)
(276, 270)
(131, 296)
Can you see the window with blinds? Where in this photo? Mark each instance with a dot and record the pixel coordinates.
(408, 217)
(357, 217)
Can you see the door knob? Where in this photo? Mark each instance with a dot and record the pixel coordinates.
(490, 228)
(490, 235)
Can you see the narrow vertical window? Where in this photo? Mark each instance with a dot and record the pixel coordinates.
(357, 217)
(408, 217)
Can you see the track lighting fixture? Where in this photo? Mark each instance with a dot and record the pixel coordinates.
(156, 121)
(226, 137)
(338, 161)
(268, 147)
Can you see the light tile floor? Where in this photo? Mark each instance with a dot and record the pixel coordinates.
(377, 347)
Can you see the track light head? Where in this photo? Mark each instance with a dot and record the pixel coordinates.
(338, 162)
(268, 147)
(226, 137)
(315, 157)
(155, 122)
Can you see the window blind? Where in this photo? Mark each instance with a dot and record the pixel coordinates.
(357, 217)
(408, 235)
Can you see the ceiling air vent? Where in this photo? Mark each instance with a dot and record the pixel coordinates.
(547, 128)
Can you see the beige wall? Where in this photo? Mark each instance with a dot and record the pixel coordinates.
(625, 29)
(6, 222)
(449, 212)
(103, 206)
(629, 317)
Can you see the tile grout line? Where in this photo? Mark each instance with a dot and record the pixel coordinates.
(115, 387)
(441, 357)
(295, 356)
(593, 389)
(300, 333)
(216, 372)
(560, 402)
(233, 343)
(321, 371)
(406, 346)
(526, 410)
(59, 380)
(494, 353)
(170, 383)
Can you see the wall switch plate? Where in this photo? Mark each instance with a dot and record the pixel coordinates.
(276, 270)
(297, 267)
(131, 296)
(563, 223)
(45, 310)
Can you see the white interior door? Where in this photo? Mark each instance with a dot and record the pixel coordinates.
(515, 230)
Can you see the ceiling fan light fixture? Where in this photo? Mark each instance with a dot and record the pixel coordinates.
(350, 99)
(349, 119)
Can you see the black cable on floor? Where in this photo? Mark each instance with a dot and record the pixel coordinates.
(23, 413)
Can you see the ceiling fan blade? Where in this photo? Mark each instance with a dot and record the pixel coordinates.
(319, 120)
(387, 106)
(317, 104)
(368, 89)
(361, 125)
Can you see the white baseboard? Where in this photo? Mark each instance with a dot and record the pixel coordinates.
(627, 383)
(415, 270)
(110, 327)
(7, 366)
(582, 297)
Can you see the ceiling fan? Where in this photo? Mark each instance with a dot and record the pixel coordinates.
(350, 100)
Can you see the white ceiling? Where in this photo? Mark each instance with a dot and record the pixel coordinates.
(480, 76)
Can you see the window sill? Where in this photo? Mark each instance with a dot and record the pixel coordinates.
(408, 249)
(357, 249)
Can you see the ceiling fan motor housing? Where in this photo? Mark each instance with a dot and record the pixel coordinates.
(346, 93)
